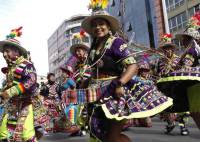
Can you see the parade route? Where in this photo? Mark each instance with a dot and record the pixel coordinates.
(154, 134)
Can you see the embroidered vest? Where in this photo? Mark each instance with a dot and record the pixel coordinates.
(17, 72)
(109, 65)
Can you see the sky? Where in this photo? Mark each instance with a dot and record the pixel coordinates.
(39, 18)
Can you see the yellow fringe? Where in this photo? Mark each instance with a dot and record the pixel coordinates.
(143, 114)
(176, 78)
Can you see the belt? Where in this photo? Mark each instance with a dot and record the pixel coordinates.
(104, 77)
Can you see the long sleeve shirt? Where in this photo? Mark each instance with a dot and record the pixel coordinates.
(24, 78)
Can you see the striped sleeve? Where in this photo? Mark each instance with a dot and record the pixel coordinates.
(16, 90)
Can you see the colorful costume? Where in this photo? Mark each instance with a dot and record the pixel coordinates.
(135, 103)
(183, 82)
(18, 120)
(69, 99)
(81, 74)
(108, 63)
(166, 66)
(17, 124)
(52, 93)
(4, 70)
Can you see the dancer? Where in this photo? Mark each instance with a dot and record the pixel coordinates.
(80, 51)
(113, 70)
(190, 40)
(69, 100)
(18, 121)
(169, 63)
(51, 91)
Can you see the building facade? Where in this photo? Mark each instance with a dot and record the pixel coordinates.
(61, 40)
(141, 20)
(179, 11)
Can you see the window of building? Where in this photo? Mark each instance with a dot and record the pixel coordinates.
(177, 42)
(113, 3)
(76, 29)
(173, 4)
(194, 10)
(167, 3)
(129, 27)
(67, 43)
(86, 39)
(119, 13)
(178, 22)
(75, 41)
(67, 33)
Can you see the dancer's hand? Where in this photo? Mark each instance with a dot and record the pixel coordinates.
(117, 88)
(100, 63)
(4, 95)
(119, 91)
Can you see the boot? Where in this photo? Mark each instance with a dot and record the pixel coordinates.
(169, 128)
(184, 131)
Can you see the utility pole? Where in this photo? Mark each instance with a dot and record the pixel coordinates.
(165, 17)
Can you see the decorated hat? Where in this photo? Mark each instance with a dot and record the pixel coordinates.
(12, 40)
(4, 70)
(98, 11)
(192, 28)
(79, 42)
(166, 42)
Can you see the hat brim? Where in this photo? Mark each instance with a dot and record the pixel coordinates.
(75, 46)
(168, 45)
(22, 50)
(114, 23)
(183, 36)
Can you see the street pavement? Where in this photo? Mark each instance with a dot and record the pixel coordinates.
(153, 134)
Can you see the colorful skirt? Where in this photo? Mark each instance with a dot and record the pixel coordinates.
(194, 98)
(139, 101)
(40, 113)
(181, 85)
(18, 125)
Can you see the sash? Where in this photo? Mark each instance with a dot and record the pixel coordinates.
(82, 96)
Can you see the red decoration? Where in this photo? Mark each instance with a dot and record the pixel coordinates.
(167, 35)
(82, 33)
(197, 17)
(17, 31)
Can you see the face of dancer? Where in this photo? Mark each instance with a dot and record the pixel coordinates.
(10, 54)
(169, 52)
(81, 53)
(52, 78)
(144, 74)
(100, 27)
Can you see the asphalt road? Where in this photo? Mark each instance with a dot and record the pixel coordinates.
(153, 134)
